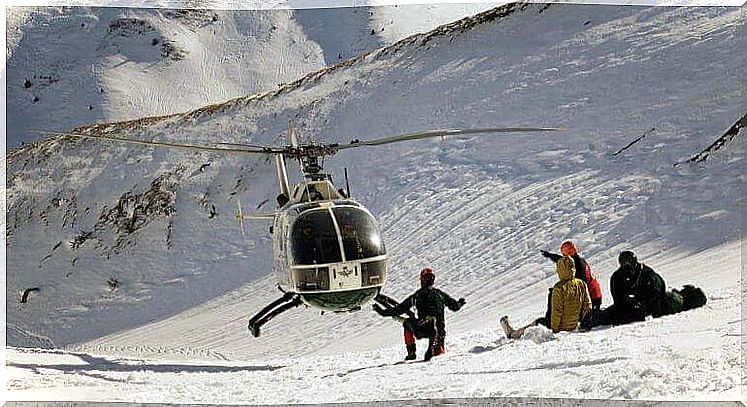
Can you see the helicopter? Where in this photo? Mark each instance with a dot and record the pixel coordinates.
(328, 250)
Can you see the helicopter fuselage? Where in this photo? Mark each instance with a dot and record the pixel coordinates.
(328, 249)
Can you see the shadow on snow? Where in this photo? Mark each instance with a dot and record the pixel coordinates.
(103, 364)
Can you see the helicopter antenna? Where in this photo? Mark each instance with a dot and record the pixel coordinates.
(347, 183)
(292, 135)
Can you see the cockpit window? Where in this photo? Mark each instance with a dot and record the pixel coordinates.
(360, 235)
(314, 239)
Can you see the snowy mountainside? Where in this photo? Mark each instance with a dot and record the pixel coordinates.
(77, 65)
(399, 21)
(68, 66)
(160, 223)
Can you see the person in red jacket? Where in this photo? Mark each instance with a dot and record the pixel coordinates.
(583, 270)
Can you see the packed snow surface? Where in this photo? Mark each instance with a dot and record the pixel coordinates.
(145, 282)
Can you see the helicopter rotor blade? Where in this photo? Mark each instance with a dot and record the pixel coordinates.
(443, 133)
(243, 145)
(243, 150)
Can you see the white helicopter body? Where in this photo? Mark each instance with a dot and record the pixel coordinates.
(329, 250)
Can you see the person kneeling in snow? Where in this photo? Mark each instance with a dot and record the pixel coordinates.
(429, 302)
(569, 302)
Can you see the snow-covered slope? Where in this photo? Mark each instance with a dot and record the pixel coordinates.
(161, 222)
(76, 65)
(690, 356)
(69, 66)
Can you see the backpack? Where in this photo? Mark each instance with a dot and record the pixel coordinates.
(692, 297)
(671, 303)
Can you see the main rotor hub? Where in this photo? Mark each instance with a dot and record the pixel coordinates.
(308, 156)
(310, 164)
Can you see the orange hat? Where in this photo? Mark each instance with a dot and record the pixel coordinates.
(568, 248)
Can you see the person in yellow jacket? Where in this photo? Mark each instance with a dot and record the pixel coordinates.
(570, 298)
(568, 305)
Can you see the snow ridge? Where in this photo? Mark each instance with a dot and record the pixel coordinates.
(416, 40)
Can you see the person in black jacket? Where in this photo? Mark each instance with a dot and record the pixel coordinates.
(429, 302)
(637, 291)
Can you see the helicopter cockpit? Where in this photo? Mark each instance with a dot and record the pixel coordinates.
(336, 248)
(334, 235)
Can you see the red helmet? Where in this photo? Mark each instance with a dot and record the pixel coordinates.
(427, 277)
(568, 248)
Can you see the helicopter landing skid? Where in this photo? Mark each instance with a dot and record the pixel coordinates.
(284, 303)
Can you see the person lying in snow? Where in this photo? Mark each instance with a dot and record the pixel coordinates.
(429, 302)
(569, 302)
(583, 270)
(638, 291)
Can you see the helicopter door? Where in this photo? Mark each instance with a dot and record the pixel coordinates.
(280, 229)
